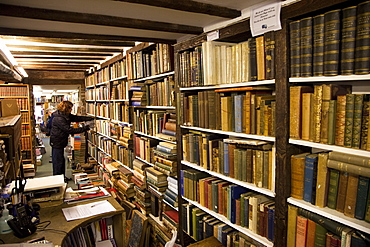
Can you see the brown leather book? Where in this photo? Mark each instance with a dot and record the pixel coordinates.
(350, 204)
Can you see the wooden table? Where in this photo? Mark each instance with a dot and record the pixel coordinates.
(56, 231)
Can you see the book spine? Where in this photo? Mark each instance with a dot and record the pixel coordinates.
(357, 120)
(331, 42)
(295, 58)
(362, 53)
(270, 54)
(331, 121)
(348, 131)
(340, 117)
(318, 45)
(362, 192)
(351, 196)
(365, 122)
(333, 188)
(253, 59)
(306, 47)
(310, 178)
(348, 40)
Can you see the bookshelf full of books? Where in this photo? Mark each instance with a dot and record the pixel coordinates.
(110, 142)
(152, 97)
(251, 128)
(329, 104)
(227, 119)
(21, 93)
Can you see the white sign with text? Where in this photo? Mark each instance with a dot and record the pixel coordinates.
(265, 18)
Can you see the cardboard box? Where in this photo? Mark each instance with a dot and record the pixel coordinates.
(9, 107)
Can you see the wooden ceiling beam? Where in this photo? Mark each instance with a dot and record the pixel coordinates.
(71, 41)
(94, 19)
(56, 67)
(190, 6)
(59, 54)
(69, 35)
(68, 49)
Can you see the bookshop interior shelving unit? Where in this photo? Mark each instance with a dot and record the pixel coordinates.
(194, 130)
(107, 99)
(21, 93)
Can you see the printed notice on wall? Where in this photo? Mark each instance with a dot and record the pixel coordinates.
(265, 18)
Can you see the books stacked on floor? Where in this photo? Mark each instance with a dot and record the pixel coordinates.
(143, 200)
(79, 148)
(123, 183)
(171, 194)
(138, 97)
(170, 219)
(156, 179)
(139, 180)
(165, 162)
(74, 196)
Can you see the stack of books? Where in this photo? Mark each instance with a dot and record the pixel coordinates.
(138, 95)
(156, 179)
(74, 196)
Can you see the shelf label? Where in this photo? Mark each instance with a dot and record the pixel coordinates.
(213, 35)
(265, 18)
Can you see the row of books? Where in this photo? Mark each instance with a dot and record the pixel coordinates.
(155, 123)
(246, 160)
(103, 110)
(200, 225)
(120, 111)
(160, 93)
(13, 91)
(138, 95)
(238, 204)
(26, 143)
(115, 70)
(119, 90)
(330, 114)
(23, 104)
(97, 233)
(118, 69)
(244, 111)
(155, 59)
(330, 44)
(336, 180)
(99, 93)
(216, 63)
(25, 117)
(309, 229)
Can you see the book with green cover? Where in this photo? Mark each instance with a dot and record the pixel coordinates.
(333, 188)
(357, 120)
(348, 127)
(362, 192)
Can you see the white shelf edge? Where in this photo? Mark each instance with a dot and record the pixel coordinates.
(155, 76)
(105, 118)
(119, 78)
(111, 138)
(131, 170)
(102, 83)
(156, 107)
(89, 87)
(244, 230)
(120, 100)
(241, 84)
(167, 203)
(333, 215)
(153, 137)
(230, 133)
(253, 187)
(120, 122)
(330, 78)
(353, 151)
(142, 160)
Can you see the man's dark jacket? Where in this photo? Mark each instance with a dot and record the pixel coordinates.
(61, 128)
